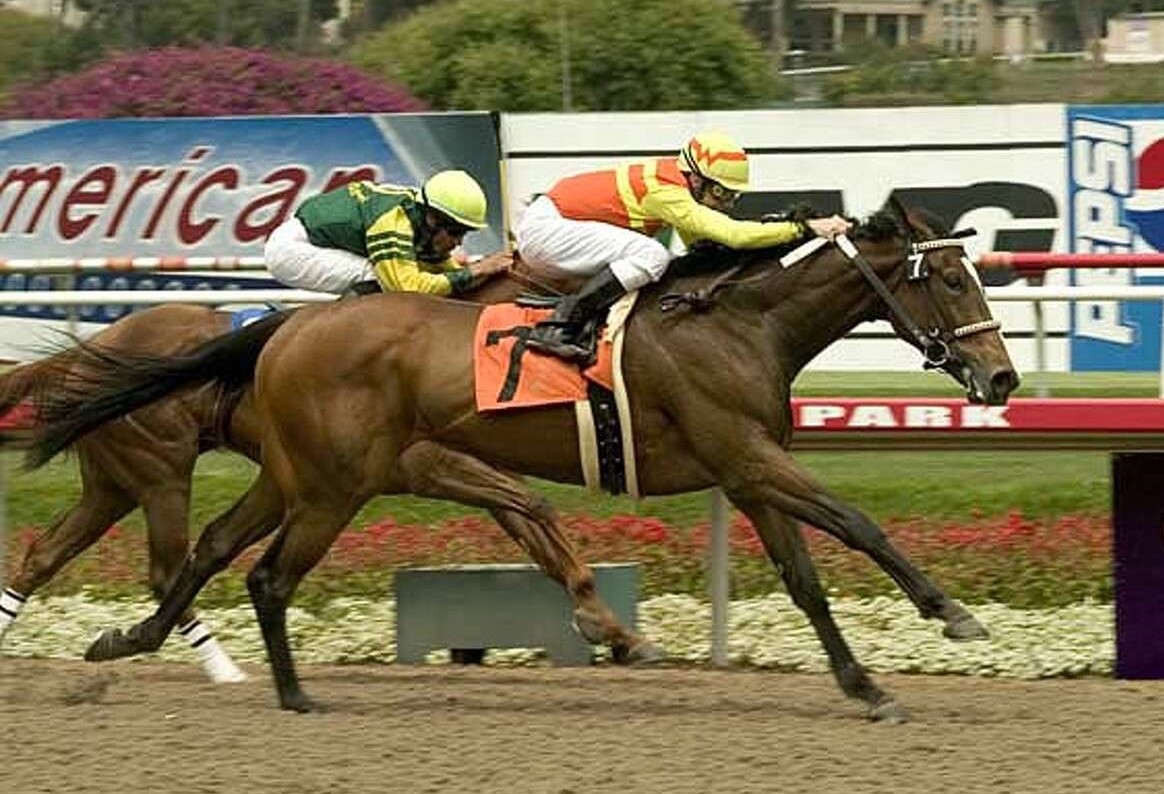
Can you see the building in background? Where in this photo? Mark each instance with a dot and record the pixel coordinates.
(1135, 38)
(959, 27)
(64, 10)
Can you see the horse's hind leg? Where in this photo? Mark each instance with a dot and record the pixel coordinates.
(254, 516)
(167, 511)
(307, 533)
(102, 503)
(785, 545)
(433, 470)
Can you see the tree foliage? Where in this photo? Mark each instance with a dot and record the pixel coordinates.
(209, 81)
(508, 55)
(248, 23)
(26, 46)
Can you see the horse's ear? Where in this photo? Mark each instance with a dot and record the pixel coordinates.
(900, 211)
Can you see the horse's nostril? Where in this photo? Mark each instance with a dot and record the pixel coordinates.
(1004, 381)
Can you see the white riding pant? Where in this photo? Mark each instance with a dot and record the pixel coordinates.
(544, 237)
(295, 261)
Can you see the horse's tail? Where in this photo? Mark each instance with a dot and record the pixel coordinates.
(18, 389)
(103, 385)
(27, 380)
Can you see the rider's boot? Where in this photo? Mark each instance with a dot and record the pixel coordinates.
(558, 335)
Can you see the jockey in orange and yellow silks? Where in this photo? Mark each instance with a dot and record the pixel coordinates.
(602, 224)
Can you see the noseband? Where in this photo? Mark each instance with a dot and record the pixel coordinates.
(936, 342)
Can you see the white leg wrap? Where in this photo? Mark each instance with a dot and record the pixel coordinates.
(215, 661)
(11, 602)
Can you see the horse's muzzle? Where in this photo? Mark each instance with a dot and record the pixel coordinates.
(994, 390)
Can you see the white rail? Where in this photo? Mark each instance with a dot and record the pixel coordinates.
(128, 297)
(136, 264)
(212, 297)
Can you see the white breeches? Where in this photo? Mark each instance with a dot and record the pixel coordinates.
(544, 237)
(293, 260)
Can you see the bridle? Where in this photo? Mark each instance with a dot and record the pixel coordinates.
(936, 342)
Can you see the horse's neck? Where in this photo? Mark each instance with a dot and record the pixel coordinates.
(822, 301)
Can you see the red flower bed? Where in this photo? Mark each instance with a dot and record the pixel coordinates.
(1010, 558)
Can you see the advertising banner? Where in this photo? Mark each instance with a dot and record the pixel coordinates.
(998, 169)
(1115, 164)
(205, 187)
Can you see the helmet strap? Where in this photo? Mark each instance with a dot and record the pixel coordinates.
(697, 184)
(691, 164)
(423, 235)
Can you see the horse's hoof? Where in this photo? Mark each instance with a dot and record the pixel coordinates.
(641, 653)
(645, 653)
(110, 644)
(965, 628)
(226, 673)
(889, 712)
(591, 628)
(301, 704)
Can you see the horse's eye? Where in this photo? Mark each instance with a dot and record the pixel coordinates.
(953, 280)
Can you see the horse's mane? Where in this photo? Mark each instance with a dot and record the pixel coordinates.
(705, 257)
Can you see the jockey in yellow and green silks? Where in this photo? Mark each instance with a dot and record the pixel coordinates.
(397, 237)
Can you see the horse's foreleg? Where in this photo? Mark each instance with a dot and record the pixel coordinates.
(436, 471)
(756, 470)
(167, 518)
(102, 503)
(254, 516)
(785, 545)
(858, 531)
(794, 492)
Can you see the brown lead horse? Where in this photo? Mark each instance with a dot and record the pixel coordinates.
(376, 396)
(147, 458)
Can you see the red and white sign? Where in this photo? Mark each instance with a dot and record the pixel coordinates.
(948, 414)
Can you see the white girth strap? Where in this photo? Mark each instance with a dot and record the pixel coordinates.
(616, 331)
(587, 434)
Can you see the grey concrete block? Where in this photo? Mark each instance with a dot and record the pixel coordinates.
(477, 607)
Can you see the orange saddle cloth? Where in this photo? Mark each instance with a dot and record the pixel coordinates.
(507, 375)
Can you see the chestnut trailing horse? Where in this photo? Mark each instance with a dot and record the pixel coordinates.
(147, 459)
(377, 396)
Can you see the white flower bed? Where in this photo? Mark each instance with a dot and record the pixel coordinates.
(886, 634)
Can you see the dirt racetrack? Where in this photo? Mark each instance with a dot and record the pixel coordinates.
(70, 727)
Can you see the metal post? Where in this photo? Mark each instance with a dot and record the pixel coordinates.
(564, 43)
(1162, 357)
(69, 283)
(3, 520)
(222, 23)
(302, 25)
(718, 565)
(1041, 389)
